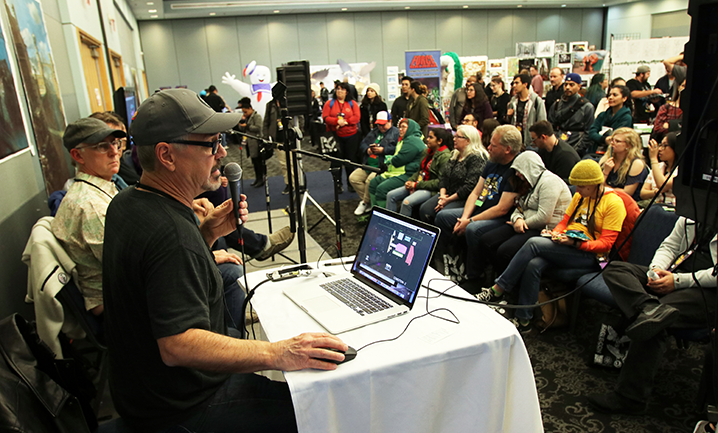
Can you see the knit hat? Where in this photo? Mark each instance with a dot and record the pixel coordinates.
(374, 86)
(586, 172)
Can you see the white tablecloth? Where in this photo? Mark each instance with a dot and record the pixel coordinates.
(475, 376)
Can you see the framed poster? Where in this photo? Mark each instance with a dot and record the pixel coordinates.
(589, 62)
(579, 46)
(39, 78)
(13, 137)
(525, 49)
(545, 49)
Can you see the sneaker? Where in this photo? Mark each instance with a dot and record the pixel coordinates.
(278, 241)
(651, 321)
(614, 403)
(487, 295)
(285, 191)
(524, 328)
(362, 208)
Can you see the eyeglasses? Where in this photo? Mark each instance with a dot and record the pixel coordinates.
(461, 137)
(104, 146)
(213, 144)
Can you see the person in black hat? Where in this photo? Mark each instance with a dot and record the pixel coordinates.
(79, 224)
(174, 364)
(572, 115)
(644, 96)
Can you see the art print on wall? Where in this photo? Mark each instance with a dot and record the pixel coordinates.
(545, 49)
(579, 46)
(526, 49)
(37, 69)
(512, 66)
(564, 59)
(589, 62)
(561, 48)
(12, 137)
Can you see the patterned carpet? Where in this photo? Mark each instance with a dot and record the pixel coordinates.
(560, 361)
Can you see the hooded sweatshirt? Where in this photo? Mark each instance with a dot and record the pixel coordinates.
(407, 155)
(548, 198)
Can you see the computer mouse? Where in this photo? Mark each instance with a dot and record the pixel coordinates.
(350, 354)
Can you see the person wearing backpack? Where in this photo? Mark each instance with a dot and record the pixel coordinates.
(572, 115)
(342, 115)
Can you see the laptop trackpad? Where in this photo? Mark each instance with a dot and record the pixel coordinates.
(320, 304)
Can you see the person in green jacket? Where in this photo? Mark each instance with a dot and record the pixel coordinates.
(401, 165)
(418, 107)
(424, 183)
(618, 115)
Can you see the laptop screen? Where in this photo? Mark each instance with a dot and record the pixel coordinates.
(395, 253)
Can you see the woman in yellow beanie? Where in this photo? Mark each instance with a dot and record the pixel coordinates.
(586, 233)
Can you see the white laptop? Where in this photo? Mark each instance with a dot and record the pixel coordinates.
(385, 277)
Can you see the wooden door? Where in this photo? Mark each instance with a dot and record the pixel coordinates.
(93, 65)
(118, 72)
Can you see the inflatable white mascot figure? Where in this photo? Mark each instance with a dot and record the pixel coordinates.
(260, 91)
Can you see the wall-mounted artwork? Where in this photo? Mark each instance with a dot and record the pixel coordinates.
(512, 67)
(589, 62)
(560, 48)
(545, 48)
(13, 137)
(526, 49)
(564, 60)
(473, 65)
(579, 46)
(37, 69)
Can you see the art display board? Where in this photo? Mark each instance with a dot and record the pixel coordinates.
(28, 35)
(13, 138)
(497, 67)
(628, 55)
(473, 64)
(589, 62)
(526, 49)
(425, 67)
(393, 86)
(545, 48)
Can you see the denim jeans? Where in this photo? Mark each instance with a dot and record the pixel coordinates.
(474, 231)
(528, 264)
(394, 197)
(427, 212)
(233, 295)
(246, 403)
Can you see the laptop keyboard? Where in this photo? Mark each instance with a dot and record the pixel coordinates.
(355, 296)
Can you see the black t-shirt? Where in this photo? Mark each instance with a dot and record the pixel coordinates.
(644, 109)
(159, 280)
(560, 160)
(215, 101)
(496, 181)
(520, 108)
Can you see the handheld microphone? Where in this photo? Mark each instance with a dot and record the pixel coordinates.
(233, 172)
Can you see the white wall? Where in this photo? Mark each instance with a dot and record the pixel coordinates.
(197, 52)
(636, 17)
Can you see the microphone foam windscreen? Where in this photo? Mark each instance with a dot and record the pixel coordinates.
(233, 172)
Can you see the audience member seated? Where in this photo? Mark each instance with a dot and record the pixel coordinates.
(477, 104)
(623, 165)
(603, 103)
(370, 106)
(597, 88)
(525, 108)
(425, 182)
(80, 221)
(586, 234)
(542, 201)
(558, 156)
(499, 100)
(487, 130)
(399, 166)
(461, 173)
(379, 142)
(470, 120)
(669, 115)
(618, 115)
(663, 161)
(667, 293)
(489, 204)
(572, 115)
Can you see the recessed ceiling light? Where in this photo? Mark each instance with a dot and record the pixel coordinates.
(519, 6)
(212, 14)
(345, 9)
(150, 3)
(563, 6)
(466, 6)
(407, 7)
(153, 16)
(152, 11)
(276, 12)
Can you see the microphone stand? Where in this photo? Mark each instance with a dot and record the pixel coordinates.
(264, 179)
(336, 172)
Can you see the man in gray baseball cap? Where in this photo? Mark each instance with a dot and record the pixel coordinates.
(645, 97)
(174, 364)
(79, 223)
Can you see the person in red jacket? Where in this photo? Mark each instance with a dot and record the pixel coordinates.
(341, 115)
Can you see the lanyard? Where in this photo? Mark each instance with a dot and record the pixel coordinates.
(90, 183)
